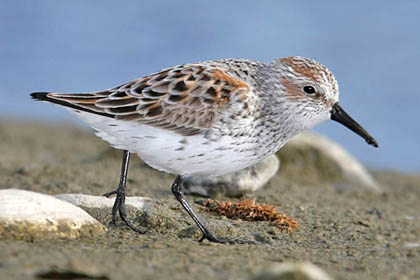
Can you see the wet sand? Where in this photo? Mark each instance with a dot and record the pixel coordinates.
(351, 233)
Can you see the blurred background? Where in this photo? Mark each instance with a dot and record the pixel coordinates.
(372, 47)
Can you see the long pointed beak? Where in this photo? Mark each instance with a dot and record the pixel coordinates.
(339, 115)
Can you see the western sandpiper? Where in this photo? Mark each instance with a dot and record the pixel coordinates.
(209, 118)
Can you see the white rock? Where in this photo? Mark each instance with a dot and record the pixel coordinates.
(235, 184)
(298, 271)
(27, 214)
(91, 201)
(411, 245)
(351, 169)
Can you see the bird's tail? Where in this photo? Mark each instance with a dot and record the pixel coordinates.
(78, 101)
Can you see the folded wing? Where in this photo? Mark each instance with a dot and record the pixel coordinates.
(185, 99)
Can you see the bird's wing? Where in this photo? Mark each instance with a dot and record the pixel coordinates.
(185, 99)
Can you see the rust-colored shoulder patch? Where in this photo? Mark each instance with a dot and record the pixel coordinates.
(225, 85)
(222, 76)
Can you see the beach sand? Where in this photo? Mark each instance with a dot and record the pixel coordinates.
(351, 233)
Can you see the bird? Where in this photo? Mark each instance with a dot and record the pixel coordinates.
(209, 118)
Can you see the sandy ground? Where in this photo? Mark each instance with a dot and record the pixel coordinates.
(350, 233)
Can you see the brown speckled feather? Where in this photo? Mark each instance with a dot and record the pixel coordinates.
(185, 98)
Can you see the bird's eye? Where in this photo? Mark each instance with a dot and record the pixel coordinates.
(309, 90)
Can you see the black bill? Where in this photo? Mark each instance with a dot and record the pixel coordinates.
(339, 115)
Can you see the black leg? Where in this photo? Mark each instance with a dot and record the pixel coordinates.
(119, 204)
(207, 234)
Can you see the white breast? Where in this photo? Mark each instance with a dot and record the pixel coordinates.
(171, 152)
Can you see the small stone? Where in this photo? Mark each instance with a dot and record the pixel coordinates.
(411, 245)
(293, 271)
(234, 184)
(31, 215)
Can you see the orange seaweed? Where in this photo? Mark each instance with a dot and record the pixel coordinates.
(250, 211)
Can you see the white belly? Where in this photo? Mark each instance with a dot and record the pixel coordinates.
(171, 152)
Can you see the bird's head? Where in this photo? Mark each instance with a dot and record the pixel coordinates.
(312, 90)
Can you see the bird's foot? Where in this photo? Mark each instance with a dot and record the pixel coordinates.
(119, 206)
